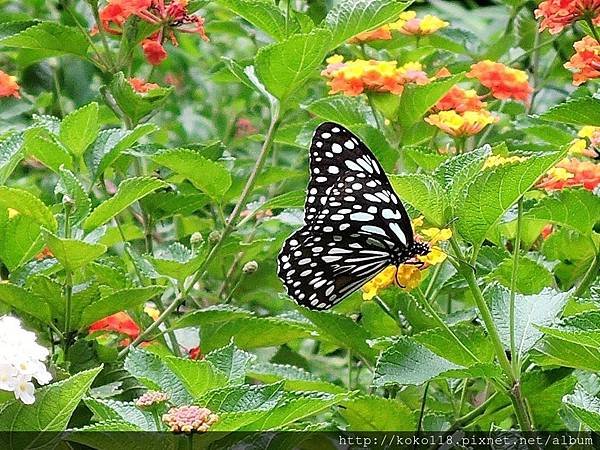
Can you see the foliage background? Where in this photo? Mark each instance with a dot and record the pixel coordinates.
(151, 200)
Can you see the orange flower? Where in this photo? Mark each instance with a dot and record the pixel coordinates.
(357, 76)
(380, 34)
(546, 231)
(460, 100)
(44, 253)
(140, 86)
(120, 323)
(585, 63)
(461, 124)
(503, 82)
(154, 51)
(8, 86)
(411, 25)
(557, 14)
(571, 173)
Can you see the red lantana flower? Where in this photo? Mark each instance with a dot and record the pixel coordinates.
(8, 86)
(140, 86)
(120, 323)
(154, 52)
(585, 63)
(558, 14)
(195, 353)
(503, 82)
(460, 100)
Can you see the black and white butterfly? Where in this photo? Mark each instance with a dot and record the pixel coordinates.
(355, 225)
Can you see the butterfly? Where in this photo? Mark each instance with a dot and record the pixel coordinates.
(355, 224)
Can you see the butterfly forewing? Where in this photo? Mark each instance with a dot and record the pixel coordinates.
(355, 225)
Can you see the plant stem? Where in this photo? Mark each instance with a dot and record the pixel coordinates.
(110, 63)
(422, 410)
(589, 21)
(464, 420)
(589, 277)
(386, 309)
(513, 281)
(432, 280)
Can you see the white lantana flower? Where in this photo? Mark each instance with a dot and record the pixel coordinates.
(21, 360)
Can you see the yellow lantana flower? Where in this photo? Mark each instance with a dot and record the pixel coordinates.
(456, 124)
(497, 160)
(409, 24)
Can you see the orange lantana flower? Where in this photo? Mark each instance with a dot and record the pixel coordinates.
(408, 23)
(503, 82)
(460, 100)
(379, 34)
(357, 76)
(456, 124)
(572, 172)
(140, 86)
(120, 323)
(557, 14)
(8, 86)
(585, 63)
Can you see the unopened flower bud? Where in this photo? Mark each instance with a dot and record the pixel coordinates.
(189, 419)
(68, 201)
(250, 267)
(214, 237)
(196, 239)
(151, 398)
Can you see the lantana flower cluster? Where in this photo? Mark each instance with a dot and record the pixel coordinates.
(189, 419)
(408, 276)
(407, 24)
(8, 86)
(572, 173)
(169, 17)
(558, 14)
(21, 360)
(585, 63)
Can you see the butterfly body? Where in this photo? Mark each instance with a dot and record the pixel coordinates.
(355, 225)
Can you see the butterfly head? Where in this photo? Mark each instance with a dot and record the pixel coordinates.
(420, 248)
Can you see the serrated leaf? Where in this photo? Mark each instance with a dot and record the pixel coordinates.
(585, 406)
(578, 209)
(129, 191)
(80, 128)
(582, 329)
(151, 371)
(44, 146)
(198, 377)
(72, 254)
(50, 39)
(341, 109)
(232, 362)
(11, 153)
(423, 193)
(531, 312)
(531, 277)
(457, 171)
(263, 15)
(575, 111)
(292, 199)
(117, 301)
(22, 300)
(493, 191)
(284, 67)
(243, 398)
(294, 378)
(342, 331)
(51, 412)
(111, 410)
(424, 157)
(177, 261)
(136, 105)
(110, 144)
(208, 176)
(20, 240)
(28, 205)
(559, 352)
(351, 17)
(70, 186)
(372, 413)
(416, 100)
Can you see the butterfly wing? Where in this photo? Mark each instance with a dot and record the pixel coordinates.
(355, 223)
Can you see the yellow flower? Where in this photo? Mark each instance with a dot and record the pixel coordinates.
(464, 124)
(12, 213)
(559, 174)
(435, 235)
(497, 160)
(384, 279)
(409, 24)
(435, 256)
(578, 147)
(418, 222)
(408, 276)
(588, 131)
(335, 59)
(152, 311)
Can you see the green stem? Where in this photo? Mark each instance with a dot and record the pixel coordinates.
(461, 422)
(386, 309)
(422, 410)
(589, 21)
(432, 280)
(110, 62)
(513, 281)
(589, 277)
(156, 418)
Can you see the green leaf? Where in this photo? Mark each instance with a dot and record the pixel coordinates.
(28, 205)
(372, 413)
(264, 16)
(70, 186)
(50, 38)
(110, 410)
(243, 398)
(73, 254)
(459, 170)
(11, 153)
(284, 67)
(578, 209)
(586, 407)
(44, 146)
(407, 362)
(151, 371)
(22, 300)
(51, 411)
(110, 144)
(582, 329)
(424, 157)
(198, 377)
(292, 199)
(20, 241)
(219, 324)
(576, 111)
(531, 312)
(177, 261)
(493, 191)
(342, 331)
(416, 100)
(115, 302)
(342, 109)
(295, 378)
(232, 362)
(351, 17)
(208, 176)
(80, 128)
(423, 193)
(531, 277)
(559, 352)
(130, 191)
(136, 105)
